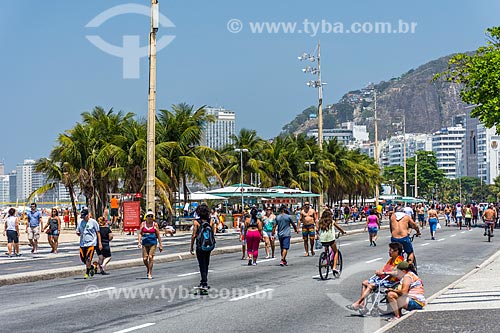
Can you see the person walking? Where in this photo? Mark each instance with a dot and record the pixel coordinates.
(468, 216)
(308, 218)
(114, 204)
(458, 215)
(373, 225)
(53, 230)
(269, 219)
(149, 238)
(33, 227)
(11, 229)
(282, 226)
(433, 221)
(253, 235)
(88, 230)
(104, 253)
(201, 228)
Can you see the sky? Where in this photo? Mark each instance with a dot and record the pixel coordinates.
(52, 69)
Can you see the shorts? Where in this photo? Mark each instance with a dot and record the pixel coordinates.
(421, 218)
(406, 242)
(327, 243)
(114, 211)
(105, 252)
(148, 250)
(267, 234)
(66, 218)
(86, 253)
(372, 230)
(376, 280)
(309, 230)
(34, 233)
(53, 233)
(413, 305)
(285, 243)
(12, 236)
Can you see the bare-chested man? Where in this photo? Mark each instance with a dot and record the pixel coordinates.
(421, 215)
(489, 217)
(307, 220)
(400, 231)
(447, 215)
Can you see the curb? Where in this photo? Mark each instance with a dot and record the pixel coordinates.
(50, 274)
(478, 268)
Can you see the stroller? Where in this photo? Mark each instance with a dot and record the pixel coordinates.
(376, 303)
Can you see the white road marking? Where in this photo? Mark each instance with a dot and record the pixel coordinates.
(250, 295)
(346, 244)
(264, 260)
(17, 267)
(453, 235)
(425, 244)
(440, 239)
(316, 276)
(463, 232)
(88, 292)
(135, 328)
(193, 273)
(373, 260)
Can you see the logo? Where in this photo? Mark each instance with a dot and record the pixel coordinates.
(131, 52)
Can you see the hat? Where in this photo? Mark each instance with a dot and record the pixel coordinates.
(84, 212)
(149, 213)
(403, 265)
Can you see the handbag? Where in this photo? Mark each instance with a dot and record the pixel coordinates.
(438, 226)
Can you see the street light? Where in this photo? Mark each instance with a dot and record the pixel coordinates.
(412, 191)
(309, 164)
(316, 84)
(241, 151)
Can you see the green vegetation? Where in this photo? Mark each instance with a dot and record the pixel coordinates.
(106, 153)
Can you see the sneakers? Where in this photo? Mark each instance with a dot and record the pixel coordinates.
(254, 264)
(484, 234)
(250, 262)
(86, 276)
(282, 263)
(104, 273)
(18, 254)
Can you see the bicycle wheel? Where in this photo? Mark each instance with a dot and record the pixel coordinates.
(324, 267)
(340, 263)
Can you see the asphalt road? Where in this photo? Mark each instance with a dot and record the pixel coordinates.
(285, 299)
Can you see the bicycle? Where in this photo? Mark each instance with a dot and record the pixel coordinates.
(326, 260)
(487, 229)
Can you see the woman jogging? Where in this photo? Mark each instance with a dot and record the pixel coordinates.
(149, 237)
(373, 225)
(53, 229)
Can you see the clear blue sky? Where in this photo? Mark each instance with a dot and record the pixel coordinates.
(51, 73)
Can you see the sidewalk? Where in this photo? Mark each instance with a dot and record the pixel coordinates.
(470, 304)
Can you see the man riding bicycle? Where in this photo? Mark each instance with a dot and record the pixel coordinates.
(400, 231)
(489, 217)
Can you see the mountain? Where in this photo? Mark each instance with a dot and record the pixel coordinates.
(427, 105)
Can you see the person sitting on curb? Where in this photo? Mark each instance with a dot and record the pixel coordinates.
(388, 271)
(409, 294)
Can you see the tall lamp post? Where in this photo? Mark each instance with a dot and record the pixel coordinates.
(150, 142)
(309, 164)
(316, 84)
(241, 151)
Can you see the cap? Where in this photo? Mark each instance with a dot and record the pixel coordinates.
(403, 265)
(84, 212)
(149, 213)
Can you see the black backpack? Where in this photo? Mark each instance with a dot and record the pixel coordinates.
(205, 240)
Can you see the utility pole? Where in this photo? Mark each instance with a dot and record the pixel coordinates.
(416, 171)
(404, 153)
(150, 174)
(320, 123)
(376, 142)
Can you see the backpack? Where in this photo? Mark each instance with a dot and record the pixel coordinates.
(205, 240)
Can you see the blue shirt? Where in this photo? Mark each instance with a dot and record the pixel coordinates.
(88, 232)
(34, 218)
(283, 222)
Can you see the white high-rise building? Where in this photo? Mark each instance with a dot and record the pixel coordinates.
(392, 151)
(218, 134)
(4, 189)
(24, 180)
(447, 144)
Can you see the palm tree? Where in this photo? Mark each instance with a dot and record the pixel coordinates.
(181, 156)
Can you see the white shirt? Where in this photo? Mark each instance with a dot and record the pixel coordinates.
(408, 211)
